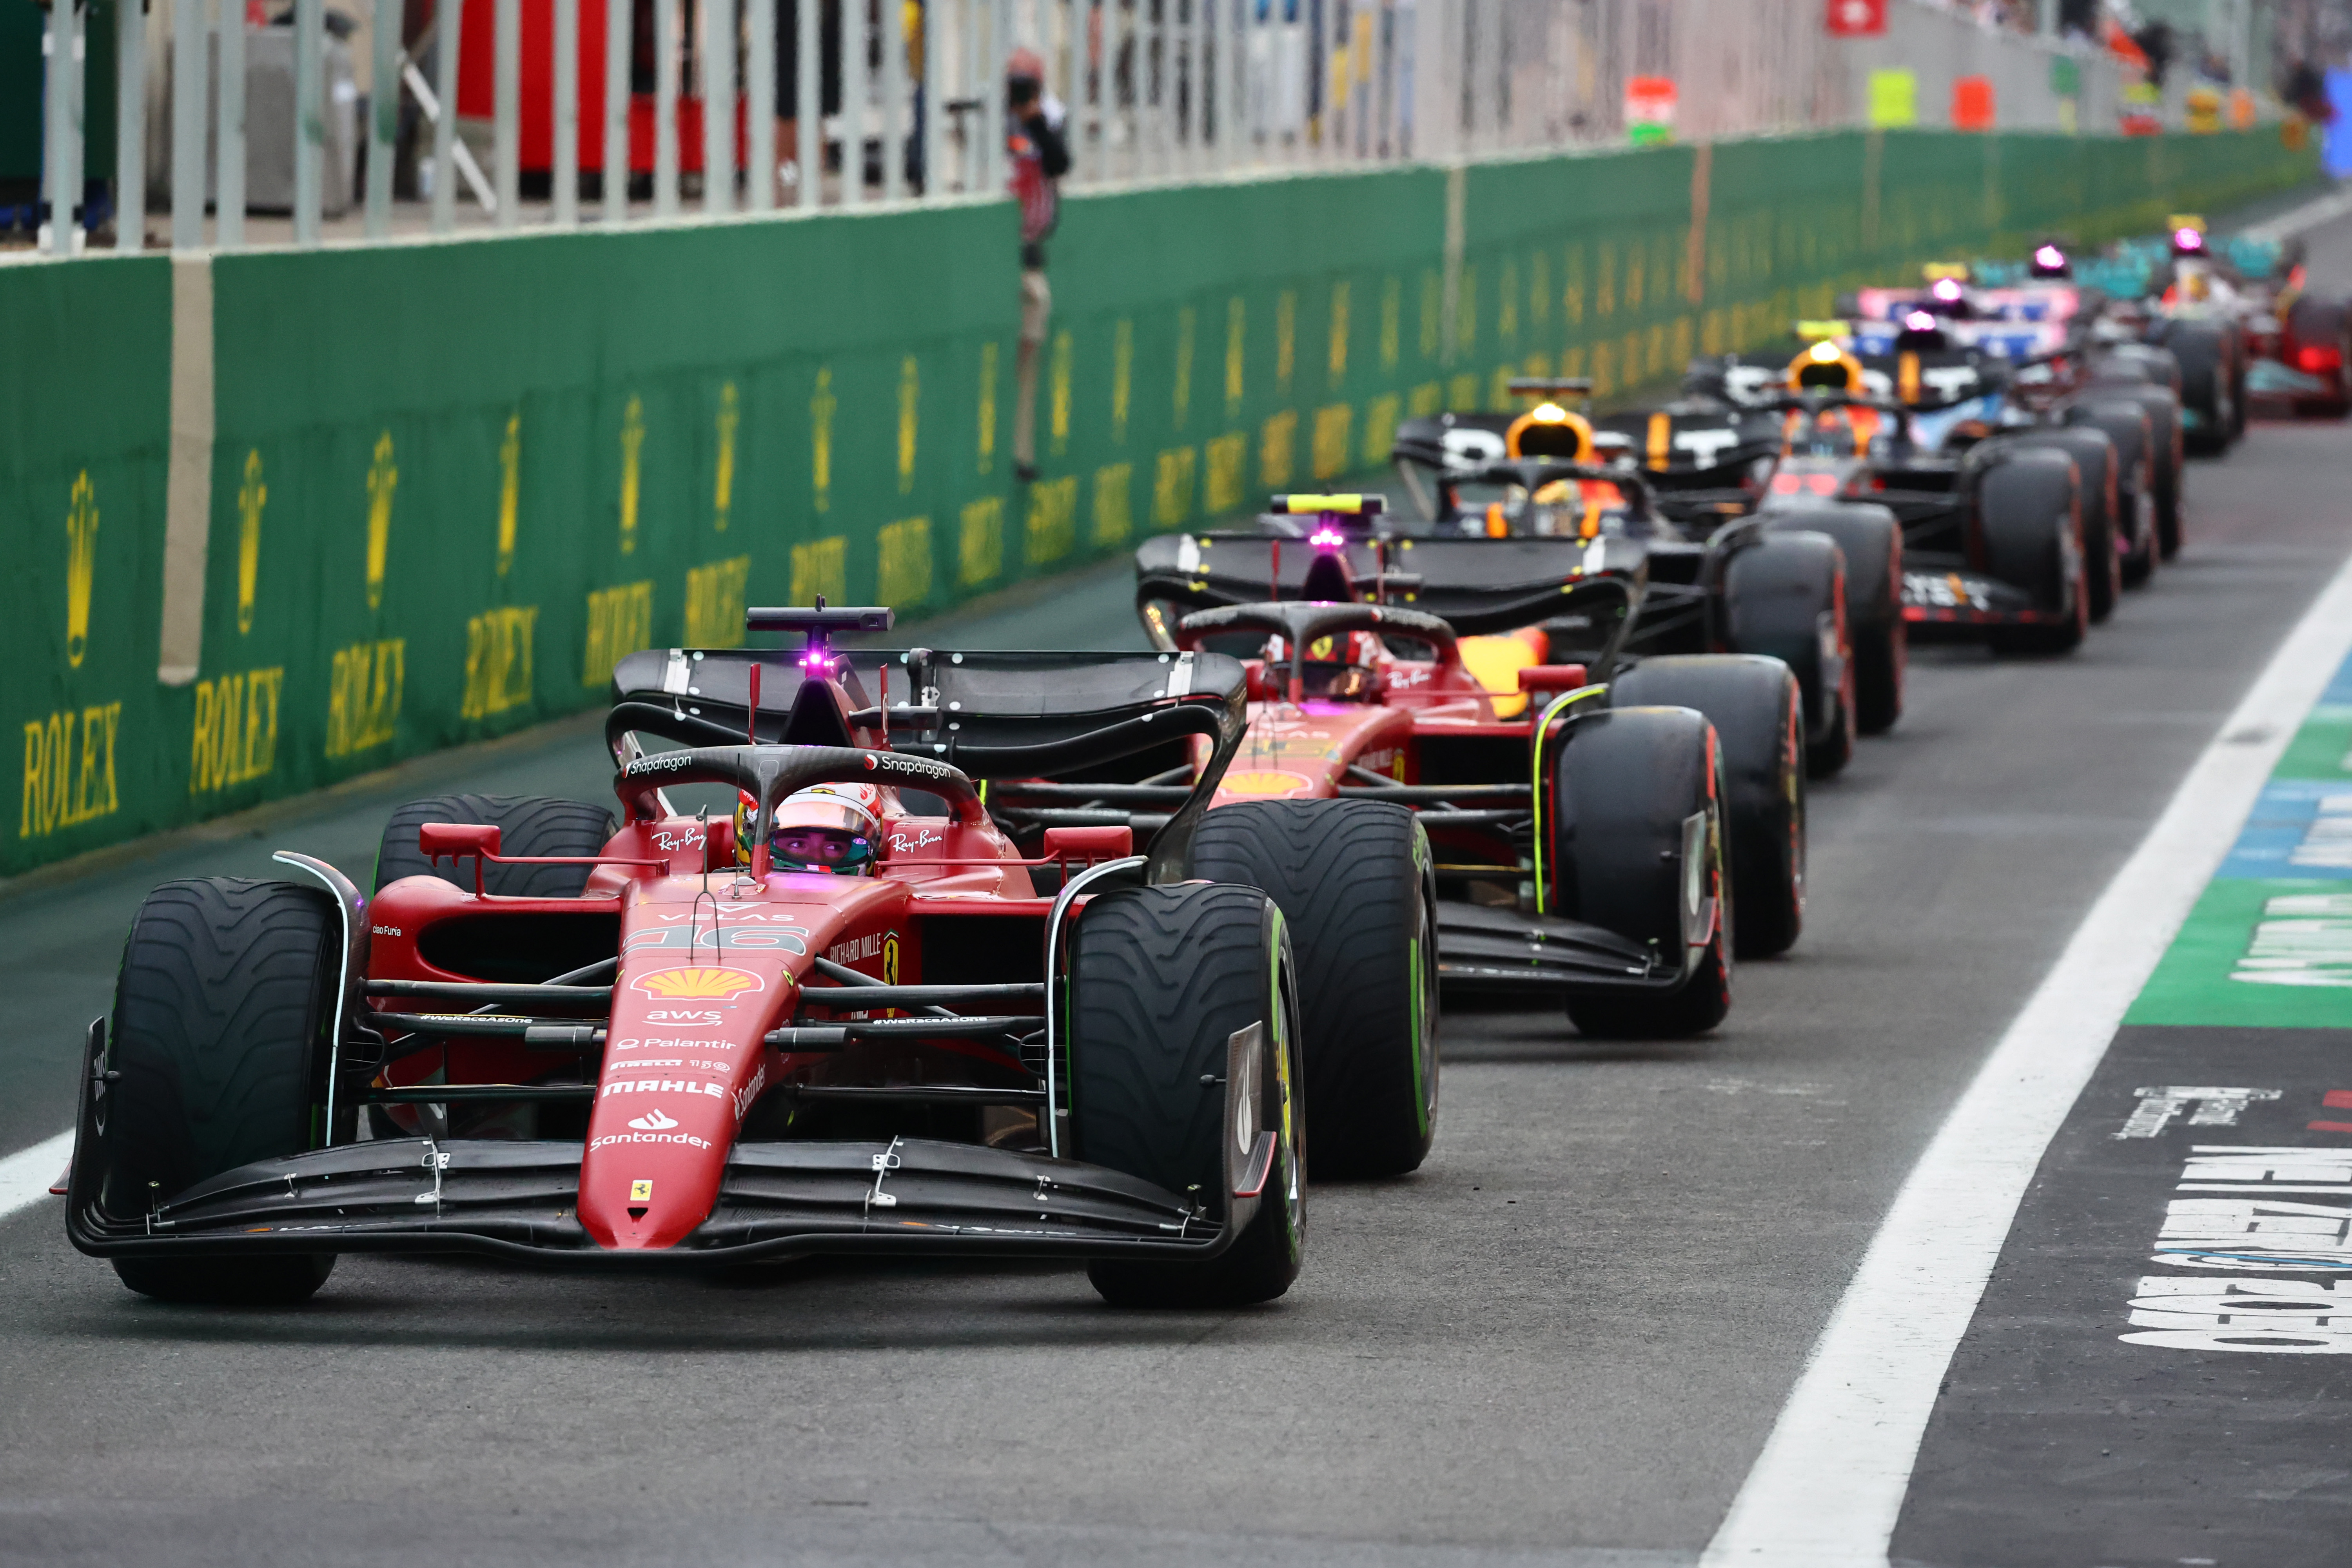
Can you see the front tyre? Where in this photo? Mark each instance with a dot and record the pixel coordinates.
(221, 1012)
(1355, 882)
(1161, 979)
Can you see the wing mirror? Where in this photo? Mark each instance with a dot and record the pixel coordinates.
(1089, 843)
(456, 840)
(1550, 678)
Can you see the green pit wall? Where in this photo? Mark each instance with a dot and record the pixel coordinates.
(451, 482)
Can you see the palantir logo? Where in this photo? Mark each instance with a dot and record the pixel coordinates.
(653, 1121)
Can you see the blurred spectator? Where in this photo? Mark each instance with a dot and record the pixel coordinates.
(1040, 156)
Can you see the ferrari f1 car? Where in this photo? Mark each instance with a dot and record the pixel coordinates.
(848, 1017)
(1606, 843)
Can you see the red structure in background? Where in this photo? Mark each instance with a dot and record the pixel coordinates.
(477, 92)
(1856, 18)
(1972, 103)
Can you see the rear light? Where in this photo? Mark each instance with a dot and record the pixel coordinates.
(1786, 484)
(1822, 484)
(2315, 359)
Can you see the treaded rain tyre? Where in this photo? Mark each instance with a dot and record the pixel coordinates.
(1871, 540)
(1754, 706)
(1785, 596)
(1355, 882)
(2137, 529)
(2094, 451)
(221, 1014)
(528, 825)
(2166, 456)
(2207, 382)
(2025, 528)
(1626, 785)
(1160, 981)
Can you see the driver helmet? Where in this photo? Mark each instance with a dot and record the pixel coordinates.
(828, 828)
(1825, 365)
(1340, 667)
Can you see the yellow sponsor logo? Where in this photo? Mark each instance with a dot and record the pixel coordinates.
(363, 695)
(68, 780)
(701, 983)
(1265, 781)
(236, 739)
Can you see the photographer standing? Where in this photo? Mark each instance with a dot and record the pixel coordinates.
(1040, 156)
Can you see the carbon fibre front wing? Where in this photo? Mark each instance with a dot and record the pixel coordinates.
(1502, 949)
(776, 1200)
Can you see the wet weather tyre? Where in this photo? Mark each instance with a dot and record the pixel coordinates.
(2095, 454)
(2136, 530)
(1634, 790)
(1785, 596)
(1754, 705)
(222, 1012)
(1354, 883)
(528, 825)
(2207, 384)
(2027, 531)
(1871, 540)
(1160, 981)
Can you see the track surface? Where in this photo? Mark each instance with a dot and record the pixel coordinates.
(1564, 1341)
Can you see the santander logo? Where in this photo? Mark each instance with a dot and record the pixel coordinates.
(653, 1121)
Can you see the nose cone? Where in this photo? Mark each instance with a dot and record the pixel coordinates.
(685, 1058)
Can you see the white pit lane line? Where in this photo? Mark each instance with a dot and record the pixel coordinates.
(25, 1175)
(1830, 1484)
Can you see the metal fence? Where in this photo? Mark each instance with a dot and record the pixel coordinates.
(505, 109)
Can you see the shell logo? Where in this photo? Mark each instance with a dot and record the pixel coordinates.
(701, 983)
(1265, 781)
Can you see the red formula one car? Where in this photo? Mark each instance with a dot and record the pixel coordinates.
(847, 1016)
(1583, 835)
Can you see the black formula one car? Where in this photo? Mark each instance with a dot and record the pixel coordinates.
(1667, 498)
(846, 1016)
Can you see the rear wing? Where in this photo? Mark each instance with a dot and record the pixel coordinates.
(1476, 585)
(1710, 448)
(971, 715)
(990, 714)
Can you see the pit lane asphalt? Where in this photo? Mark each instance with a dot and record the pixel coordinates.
(1563, 1341)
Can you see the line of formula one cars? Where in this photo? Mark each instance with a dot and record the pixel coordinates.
(1086, 955)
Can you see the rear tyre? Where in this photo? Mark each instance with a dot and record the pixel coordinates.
(1753, 704)
(1161, 979)
(2026, 522)
(1785, 596)
(1871, 540)
(2094, 456)
(1636, 846)
(221, 1017)
(1355, 882)
(2207, 386)
(2125, 422)
(528, 825)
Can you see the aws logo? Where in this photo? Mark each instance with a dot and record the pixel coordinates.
(701, 982)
